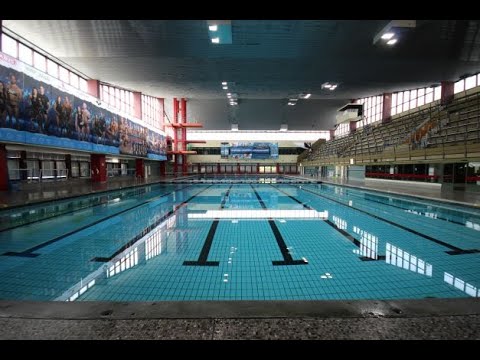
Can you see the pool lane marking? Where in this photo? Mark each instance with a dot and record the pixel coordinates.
(148, 229)
(341, 231)
(65, 213)
(29, 252)
(402, 208)
(455, 250)
(207, 244)
(222, 205)
(202, 258)
(287, 258)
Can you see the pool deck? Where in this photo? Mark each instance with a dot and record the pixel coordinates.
(237, 320)
(242, 320)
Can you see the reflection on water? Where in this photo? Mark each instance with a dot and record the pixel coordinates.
(368, 243)
(461, 284)
(398, 257)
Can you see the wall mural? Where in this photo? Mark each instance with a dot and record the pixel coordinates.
(247, 150)
(30, 104)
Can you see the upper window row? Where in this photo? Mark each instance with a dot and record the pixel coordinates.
(29, 56)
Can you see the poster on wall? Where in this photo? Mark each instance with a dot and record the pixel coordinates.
(34, 106)
(248, 150)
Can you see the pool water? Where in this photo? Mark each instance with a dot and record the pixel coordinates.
(256, 241)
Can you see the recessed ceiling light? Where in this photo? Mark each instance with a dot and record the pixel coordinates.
(224, 83)
(307, 96)
(391, 42)
(388, 35)
(216, 40)
(213, 27)
(225, 87)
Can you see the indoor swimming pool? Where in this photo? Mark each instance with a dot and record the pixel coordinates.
(260, 240)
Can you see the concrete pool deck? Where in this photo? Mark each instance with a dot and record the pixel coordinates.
(242, 320)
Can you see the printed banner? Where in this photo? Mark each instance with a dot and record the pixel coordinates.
(29, 103)
(258, 150)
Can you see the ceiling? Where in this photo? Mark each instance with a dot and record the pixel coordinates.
(268, 59)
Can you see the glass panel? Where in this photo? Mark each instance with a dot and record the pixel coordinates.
(39, 62)
(25, 54)
(471, 82)
(9, 46)
(52, 68)
(83, 85)
(64, 75)
(459, 86)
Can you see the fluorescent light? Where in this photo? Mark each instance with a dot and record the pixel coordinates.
(388, 35)
(224, 83)
(307, 96)
(291, 103)
(225, 87)
(326, 86)
(216, 40)
(293, 100)
(213, 27)
(333, 87)
(391, 42)
(229, 94)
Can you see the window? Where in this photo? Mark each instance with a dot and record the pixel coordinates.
(39, 62)
(459, 86)
(74, 80)
(471, 82)
(428, 95)
(120, 99)
(9, 46)
(25, 54)
(421, 97)
(83, 85)
(437, 93)
(151, 111)
(52, 68)
(64, 75)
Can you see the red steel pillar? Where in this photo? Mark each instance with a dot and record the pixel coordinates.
(98, 168)
(140, 168)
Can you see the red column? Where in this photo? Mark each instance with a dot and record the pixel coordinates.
(183, 109)
(387, 107)
(3, 168)
(447, 92)
(93, 88)
(218, 168)
(137, 105)
(175, 135)
(353, 126)
(238, 168)
(140, 168)
(278, 168)
(258, 168)
(98, 168)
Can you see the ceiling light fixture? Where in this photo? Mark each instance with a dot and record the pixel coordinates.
(213, 27)
(216, 40)
(329, 86)
(387, 32)
(224, 83)
(391, 42)
(225, 87)
(388, 35)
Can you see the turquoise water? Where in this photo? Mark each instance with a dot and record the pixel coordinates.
(264, 241)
